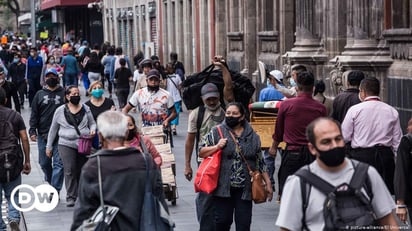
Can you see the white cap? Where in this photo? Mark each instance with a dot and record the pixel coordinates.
(278, 75)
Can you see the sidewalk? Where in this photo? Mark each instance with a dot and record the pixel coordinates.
(183, 213)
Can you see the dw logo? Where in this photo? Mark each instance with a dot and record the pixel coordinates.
(43, 197)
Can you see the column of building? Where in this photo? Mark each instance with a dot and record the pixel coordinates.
(309, 47)
(365, 50)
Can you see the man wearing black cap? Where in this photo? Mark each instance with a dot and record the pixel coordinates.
(346, 99)
(45, 103)
(11, 91)
(293, 116)
(155, 104)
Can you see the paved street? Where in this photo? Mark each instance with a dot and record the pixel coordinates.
(183, 213)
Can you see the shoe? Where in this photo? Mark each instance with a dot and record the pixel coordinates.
(14, 225)
(110, 96)
(70, 202)
(174, 131)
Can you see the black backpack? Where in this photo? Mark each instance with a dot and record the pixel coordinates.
(243, 88)
(345, 207)
(11, 158)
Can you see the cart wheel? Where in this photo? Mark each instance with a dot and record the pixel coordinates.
(174, 202)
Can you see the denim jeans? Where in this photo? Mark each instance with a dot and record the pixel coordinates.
(70, 79)
(270, 164)
(52, 167)
(205, 211)
(13, 214)
(226, 206)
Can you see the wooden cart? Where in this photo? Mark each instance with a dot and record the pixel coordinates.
(263, 117)
(168, 168)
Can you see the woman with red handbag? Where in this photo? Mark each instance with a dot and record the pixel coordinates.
(235, 197)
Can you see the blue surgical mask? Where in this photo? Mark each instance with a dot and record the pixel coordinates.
(16, 60)
(97, 93)
(51, 61)
(292, 82)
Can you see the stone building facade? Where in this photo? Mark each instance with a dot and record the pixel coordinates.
(330, 37)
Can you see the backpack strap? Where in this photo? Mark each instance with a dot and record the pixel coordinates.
(360, 178)
(200, 116)
(315, 181)
(305, 189)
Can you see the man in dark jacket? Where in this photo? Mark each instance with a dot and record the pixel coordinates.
(123, 172)
(34, 72)
(11, 91)
(346, 99)
(17, 72)
(45, 103)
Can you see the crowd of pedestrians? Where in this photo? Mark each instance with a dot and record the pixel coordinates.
(307, 121)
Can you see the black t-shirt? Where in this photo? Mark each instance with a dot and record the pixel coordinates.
(122, 76)
(97, 110)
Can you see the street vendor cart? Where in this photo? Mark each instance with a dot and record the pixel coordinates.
(168, 167)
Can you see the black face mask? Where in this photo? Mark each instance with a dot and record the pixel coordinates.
(232, 121)
(153, 88)
(333, 157)
(75, 99)
(52, 82)
(132, 134)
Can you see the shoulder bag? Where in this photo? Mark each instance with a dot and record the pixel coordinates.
(104, 215)
(207, 175)
(259, 193)
(85, 141)
(155, 216)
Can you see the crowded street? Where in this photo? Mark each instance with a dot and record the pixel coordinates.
(183, 213)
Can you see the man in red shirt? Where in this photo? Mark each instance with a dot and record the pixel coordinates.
(293, 116)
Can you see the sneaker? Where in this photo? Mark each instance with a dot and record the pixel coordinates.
(14, 225)
(70, 202)
(174, 131)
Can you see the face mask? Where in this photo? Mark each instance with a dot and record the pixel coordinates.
(75, 99)
(214, 108)
(97, 93)
(132, 134)
(232, 121)
(31, 53)
(51, 61)
(52, 82)
(153, 88)
(1, 81)
(292, 82)
(333, 157)
(16, 60)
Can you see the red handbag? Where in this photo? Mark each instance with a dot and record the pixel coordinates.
(207, 174)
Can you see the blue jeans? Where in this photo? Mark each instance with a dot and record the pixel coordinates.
(270, 164)
(70, 79)
(52, 167)
(13, 214)
(226, 206)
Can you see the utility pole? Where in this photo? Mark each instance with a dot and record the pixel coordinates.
(33, 23)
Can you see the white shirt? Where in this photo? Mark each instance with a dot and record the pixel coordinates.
(154, 106)
(172, 89)
(290, 213)
(371, 123)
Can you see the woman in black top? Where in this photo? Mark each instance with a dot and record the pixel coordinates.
(122, 77)
(98, 104)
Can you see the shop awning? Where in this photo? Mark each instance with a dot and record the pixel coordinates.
(46, 4)
(45, 24)
(24, 19)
